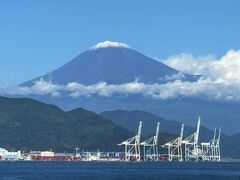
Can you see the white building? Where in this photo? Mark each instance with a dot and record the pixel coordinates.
(47, 153)
(9, 156)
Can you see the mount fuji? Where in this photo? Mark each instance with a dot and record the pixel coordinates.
(113, 63)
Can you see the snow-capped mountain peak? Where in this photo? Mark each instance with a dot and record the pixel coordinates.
(107, 44)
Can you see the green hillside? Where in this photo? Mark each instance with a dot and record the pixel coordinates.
(26, 124)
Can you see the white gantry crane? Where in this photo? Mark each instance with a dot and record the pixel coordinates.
(211, 149)
(132, 146)
(179, 149)
(174, 147)
(217, 155)
(192, 149)
(150, 146)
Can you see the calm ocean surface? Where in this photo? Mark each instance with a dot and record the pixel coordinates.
(118, 170)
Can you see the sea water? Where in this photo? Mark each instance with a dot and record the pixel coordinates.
(119, 170)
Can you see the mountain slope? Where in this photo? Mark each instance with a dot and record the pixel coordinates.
(215, 114)
(128, 119)
(111, 64)
(30, 125)
(26, 124)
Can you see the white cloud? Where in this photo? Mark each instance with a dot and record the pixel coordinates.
(219, 89)
(39, 87)
(178, 76)
(222, 82)
(227, 67)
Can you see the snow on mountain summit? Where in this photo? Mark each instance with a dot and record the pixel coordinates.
(107, 44)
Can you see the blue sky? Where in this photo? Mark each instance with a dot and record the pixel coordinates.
(39, 36)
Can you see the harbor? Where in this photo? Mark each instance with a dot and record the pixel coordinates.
(179, 149)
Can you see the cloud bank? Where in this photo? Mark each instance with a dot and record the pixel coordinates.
(221, 82)
(219, 89)
(227, 67)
